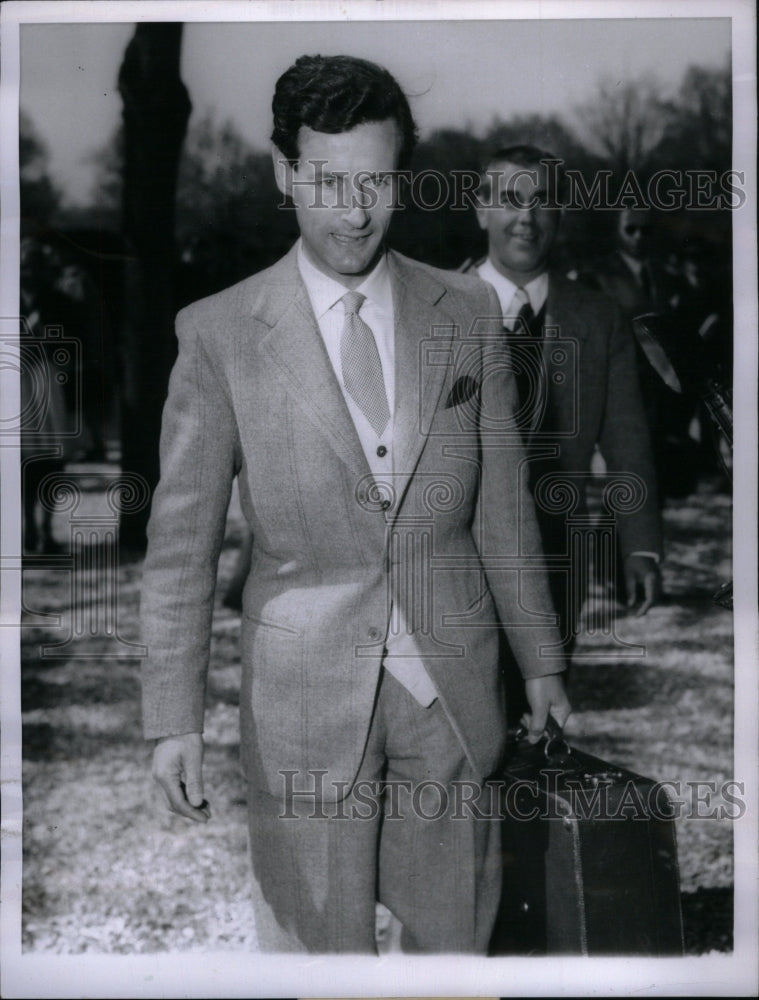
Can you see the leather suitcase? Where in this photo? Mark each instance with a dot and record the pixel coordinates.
(590, 857)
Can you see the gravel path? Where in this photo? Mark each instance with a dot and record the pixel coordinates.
(107, 870)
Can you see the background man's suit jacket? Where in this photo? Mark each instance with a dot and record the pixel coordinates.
(614, 277)
(592, 396)
(253, 393)
(597, 400)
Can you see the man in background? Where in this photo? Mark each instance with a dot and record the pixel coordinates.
(577, 392)
(632, 275)
(636, 277)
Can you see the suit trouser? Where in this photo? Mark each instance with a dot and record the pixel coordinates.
(416, 832)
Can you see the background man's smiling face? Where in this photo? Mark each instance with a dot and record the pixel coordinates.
(519, 220)
(343, 188)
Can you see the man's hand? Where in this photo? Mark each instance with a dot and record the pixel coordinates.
(642, 572)
(178, 769)
(545, 694)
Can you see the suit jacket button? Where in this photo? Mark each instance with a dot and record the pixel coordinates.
(374, 633)
(382, 451)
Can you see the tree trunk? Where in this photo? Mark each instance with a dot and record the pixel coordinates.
(156, 109)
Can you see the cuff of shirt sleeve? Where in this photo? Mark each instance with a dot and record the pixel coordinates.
(559, 668)
(649, 555)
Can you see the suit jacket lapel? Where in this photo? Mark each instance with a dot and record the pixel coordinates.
(301, 362)
(418, 383)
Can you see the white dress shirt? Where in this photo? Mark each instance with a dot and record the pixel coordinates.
(635, 264)
(537, 289)
(401, 658)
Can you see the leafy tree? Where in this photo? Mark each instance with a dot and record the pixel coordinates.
(105, 208)
(40, 198)
(697, 140)
(545, 132)
(698, 133)
(437, 224)
(230, 217)
(639, 130)
(625, 122)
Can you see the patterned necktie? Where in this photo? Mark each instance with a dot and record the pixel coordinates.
(361, 365)
(520, 309)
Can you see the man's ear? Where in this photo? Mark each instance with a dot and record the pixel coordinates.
(283, 171)
(481, 209)
(482, 202)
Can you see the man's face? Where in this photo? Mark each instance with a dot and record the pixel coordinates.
(520, 223)
(634, 233)
(343, 188)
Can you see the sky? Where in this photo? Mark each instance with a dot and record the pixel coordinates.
(458, 73)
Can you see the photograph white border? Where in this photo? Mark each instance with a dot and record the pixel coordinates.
(240, 975)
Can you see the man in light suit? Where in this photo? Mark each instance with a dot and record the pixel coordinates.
(575, 360)
(364, 405)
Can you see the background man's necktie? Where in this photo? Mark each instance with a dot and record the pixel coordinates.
(520, 309)
(361, 365)
(526, 356)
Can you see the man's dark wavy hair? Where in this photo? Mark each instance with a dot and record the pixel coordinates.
(334, 94)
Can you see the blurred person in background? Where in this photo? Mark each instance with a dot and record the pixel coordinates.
(86, 324)
(705, 313)
(573, 408)
(641, 280)
(45, 423)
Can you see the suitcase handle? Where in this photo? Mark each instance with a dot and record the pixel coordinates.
(555, 745)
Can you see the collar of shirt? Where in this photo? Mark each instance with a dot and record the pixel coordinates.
(324, 292)
(537, 289)
(377, 312)
(635, 265)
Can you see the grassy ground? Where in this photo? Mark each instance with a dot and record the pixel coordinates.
(106, 869)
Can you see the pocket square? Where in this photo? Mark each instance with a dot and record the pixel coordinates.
(463, 389)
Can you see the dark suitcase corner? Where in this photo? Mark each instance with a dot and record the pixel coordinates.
(590, 858)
